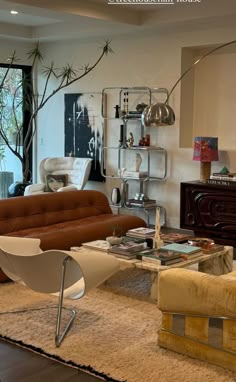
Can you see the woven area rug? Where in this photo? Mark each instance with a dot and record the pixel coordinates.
(114, 336)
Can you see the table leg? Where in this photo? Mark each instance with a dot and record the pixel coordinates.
(212, 266)
(153, 290)
(219, 265)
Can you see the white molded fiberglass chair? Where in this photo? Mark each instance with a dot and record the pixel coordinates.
(62, 273)
(76, 169)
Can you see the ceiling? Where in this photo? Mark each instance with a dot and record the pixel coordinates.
(50, 20)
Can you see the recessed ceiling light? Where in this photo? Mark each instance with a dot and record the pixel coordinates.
(14, 12)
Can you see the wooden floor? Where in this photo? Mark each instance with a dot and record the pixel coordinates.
(21, 365)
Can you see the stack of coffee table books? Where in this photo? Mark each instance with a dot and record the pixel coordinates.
(159, 257)
(127, 250)
(142, 232)
(175, 237)
(187, 251)
(170, 254)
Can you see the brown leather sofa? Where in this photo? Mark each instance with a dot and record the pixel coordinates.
(63, 219)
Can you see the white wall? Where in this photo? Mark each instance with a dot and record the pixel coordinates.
(152, 59)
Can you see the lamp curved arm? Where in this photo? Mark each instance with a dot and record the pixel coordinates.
(161, 114)
(195, 63)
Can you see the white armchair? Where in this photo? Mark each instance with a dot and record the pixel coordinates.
(65, 274)
(76, 169)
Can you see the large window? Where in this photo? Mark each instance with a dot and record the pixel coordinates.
(14, 113)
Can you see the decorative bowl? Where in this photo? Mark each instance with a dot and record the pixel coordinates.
(114, 240)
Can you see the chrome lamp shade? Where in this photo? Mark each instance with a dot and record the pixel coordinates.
(158, 114)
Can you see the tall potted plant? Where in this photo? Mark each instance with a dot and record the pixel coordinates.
(64, 77)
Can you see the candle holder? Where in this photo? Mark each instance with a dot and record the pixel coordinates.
(157, 242)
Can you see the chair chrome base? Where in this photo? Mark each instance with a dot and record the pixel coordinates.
(59, 338)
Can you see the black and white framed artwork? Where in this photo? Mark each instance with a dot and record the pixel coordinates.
(84, 129)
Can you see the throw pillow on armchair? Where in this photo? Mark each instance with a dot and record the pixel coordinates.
(55, 182)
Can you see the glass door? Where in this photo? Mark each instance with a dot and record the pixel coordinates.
(13, 117)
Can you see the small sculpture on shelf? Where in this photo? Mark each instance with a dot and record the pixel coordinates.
(147, 140)
(138, 162)
(141, 141)
(125, 104)
(130, 140)
(140, 107)
(117, 111)
(122, 140)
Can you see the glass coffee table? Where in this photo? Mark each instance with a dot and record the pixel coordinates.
(217, 263)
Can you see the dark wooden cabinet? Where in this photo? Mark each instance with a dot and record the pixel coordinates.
(209, 210)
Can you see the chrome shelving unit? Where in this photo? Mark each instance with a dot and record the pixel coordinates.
(122, 149)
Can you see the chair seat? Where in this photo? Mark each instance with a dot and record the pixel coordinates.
(66, 274)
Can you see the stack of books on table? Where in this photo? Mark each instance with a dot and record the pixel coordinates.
(224, 179)
(103, 245)
(170, 254)
(186, 251)
(127, 250)
(159, 257)
(142, 232)
(175, 237)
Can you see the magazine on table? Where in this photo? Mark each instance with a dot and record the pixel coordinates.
(153, 259)
(124, 255)
(100, 245)
(128, 248)
(141, 232)
(175, 237)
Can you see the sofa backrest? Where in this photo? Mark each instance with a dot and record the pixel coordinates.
(31, 211)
